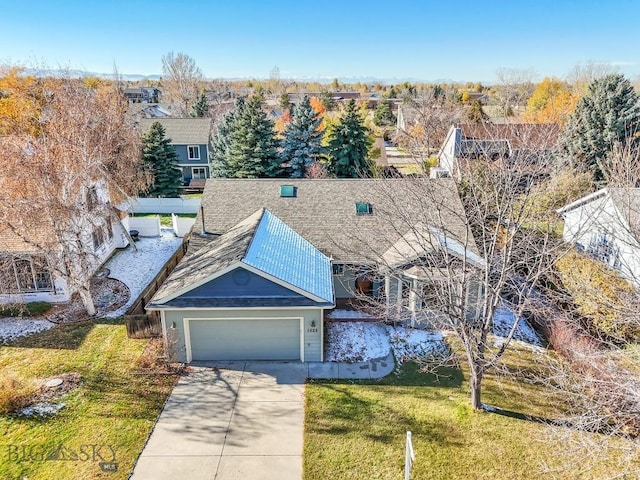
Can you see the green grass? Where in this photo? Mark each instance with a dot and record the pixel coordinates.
(111, 407)
(30, 309)
(356, 430)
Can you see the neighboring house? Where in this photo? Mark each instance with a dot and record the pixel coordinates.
(270, 255)
(138, 111)
(142, 94)
(28, 261)
(190, 137)
(606, 224)
(486, 141)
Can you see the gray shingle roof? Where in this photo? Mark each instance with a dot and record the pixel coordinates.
(182, 131)
(212, 258)
(323, 211)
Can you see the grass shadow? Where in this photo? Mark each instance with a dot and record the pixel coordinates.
(65, 336)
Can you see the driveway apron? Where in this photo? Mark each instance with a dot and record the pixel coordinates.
(228, 421)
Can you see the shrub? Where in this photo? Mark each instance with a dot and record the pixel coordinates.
(31, 309)
(15, 393)
(601, 295)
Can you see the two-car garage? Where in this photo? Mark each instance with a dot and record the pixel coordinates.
(243, 339)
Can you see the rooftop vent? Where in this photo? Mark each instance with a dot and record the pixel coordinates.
(287, 191)
(364, 208)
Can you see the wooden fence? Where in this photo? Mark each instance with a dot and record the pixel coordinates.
(142, 324)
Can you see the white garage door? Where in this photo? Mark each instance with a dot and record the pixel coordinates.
(268, 339)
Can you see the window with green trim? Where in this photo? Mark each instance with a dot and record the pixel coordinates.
(364, 208)
(287, 191)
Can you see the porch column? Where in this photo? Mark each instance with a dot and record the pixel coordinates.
(413, 301)
(398, 296)
(387, 291)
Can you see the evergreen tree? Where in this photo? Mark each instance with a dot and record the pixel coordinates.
(475, 114)
(302, 139)
(245, 145)
(327, 100)
(382, 115)
(200, 107)
(607, 115)
(221, 143)
(284, 102)
(161, 158)
(349, 144)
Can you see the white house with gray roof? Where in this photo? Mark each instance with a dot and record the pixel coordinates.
(606, 224)
(267, 257)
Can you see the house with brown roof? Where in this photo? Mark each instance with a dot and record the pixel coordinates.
(606, 225)
(492, 142)
(190, 138)
(269, 255)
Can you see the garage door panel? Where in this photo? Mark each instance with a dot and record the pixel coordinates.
(269, 339)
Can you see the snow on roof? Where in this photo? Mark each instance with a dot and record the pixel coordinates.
(277, 250)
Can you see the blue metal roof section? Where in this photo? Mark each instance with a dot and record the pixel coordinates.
(279, 251)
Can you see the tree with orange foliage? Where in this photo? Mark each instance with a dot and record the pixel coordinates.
(20, 102)
(552, 102)
(281, 123)
(318, 106)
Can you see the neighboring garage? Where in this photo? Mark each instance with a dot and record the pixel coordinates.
(241, 339)
(257, 292)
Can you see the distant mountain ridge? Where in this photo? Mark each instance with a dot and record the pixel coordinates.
(134, 77)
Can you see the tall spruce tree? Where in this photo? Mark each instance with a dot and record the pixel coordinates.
(302, 139)
(349, 144)
(245, 144)
(383, 115)
(221, 143)
(200, 107)
(607, 115)
(161, 158)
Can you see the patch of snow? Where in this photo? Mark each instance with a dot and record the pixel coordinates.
(12, 328)
(42, 409)
(411, 343)
(503, 320)
(356, 341)
(137, 268)
(348, 314)
(490, 408)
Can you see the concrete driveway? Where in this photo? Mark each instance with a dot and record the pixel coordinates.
(234, 420)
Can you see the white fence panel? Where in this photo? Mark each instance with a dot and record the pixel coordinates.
(146, 226)
(182, 225)
(165, 205)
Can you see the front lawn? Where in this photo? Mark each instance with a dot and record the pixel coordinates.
(356, 430)
(112, 409)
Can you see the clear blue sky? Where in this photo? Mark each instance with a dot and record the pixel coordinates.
(422, 39)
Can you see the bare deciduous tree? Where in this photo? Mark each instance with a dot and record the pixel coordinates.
(60, 186)
(425, 118)
(181, 81)
(455, 267)
(513, 88)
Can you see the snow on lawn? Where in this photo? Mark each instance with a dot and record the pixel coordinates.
(12, 328)
(410, 343)
(348, 314)
(356, 341)
(137, 268)
(503, 319)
